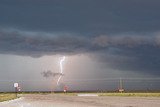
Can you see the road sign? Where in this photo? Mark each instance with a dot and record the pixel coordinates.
(65, 88)
(18, 88)
(15, 85)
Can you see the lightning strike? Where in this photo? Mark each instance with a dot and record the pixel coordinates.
(61, 68)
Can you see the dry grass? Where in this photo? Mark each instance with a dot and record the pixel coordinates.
(131, 94)
(7, 96)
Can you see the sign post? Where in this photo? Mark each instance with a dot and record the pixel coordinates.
(16, 87)
(65, 89)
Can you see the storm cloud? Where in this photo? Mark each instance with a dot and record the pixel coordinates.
(85, 17)
(122, 35)
(31, 43)
(50, 73)
(124, 52)
(40, 43)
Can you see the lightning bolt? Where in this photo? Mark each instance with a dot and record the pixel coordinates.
(61, 68)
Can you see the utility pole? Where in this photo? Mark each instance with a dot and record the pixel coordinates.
(16, 88)
(121, 86)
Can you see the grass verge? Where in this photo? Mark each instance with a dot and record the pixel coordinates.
(125, 94)
(7, 96)
(131, 94)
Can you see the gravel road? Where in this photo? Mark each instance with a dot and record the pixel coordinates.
(54, 100)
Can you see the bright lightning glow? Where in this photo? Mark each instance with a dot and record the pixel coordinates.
(61, 68)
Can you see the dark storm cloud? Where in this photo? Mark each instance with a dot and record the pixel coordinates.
(142, 59)
(31, 43)
(121, 33)
(130, 53)
(81, 16)
(28, 43)
(123, 52)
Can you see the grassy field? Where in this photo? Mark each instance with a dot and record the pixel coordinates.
(7, 96)
(131, 94)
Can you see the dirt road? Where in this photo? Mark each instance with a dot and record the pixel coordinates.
(54, 100)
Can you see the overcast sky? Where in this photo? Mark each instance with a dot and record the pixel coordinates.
(101, 39)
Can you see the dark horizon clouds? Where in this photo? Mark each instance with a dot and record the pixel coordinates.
(22, 42)
(49, 73)
(123, 34)
(139, 53)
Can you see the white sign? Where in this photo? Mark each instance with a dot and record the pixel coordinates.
(15, 85)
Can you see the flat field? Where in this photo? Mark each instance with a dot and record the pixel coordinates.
(7, 96)
(131, 94)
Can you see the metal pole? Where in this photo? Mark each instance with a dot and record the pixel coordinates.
(121, 87)
(16, 91)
